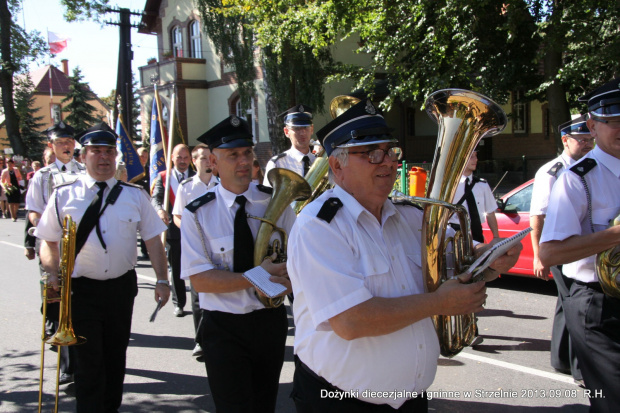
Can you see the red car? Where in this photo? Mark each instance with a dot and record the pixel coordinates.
(513, 215)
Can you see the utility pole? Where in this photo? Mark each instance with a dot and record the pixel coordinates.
(124, 87)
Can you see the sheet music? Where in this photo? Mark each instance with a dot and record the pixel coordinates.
(493, 253)
(259, 277)
(156, 311)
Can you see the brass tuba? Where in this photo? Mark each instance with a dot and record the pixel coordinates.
(464, 118)
(287, 187)
(65, 336)
(608, 267)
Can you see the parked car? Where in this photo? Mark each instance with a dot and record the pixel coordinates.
(513, 215)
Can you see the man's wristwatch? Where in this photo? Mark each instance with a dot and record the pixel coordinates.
(166, 282)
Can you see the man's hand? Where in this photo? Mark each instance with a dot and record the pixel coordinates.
(162, 291)
(164, 216)
(278, 273)
(458, 298)
(540, 270)
(29, 253)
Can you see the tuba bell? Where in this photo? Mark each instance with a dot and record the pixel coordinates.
(464, 118)
(287, 187)
(607, 267)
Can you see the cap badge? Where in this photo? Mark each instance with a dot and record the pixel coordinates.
(370, 108)
(235, 121)
(301, 108)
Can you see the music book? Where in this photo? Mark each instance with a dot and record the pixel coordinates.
(157, 308)
(493, 253)
(259, 277)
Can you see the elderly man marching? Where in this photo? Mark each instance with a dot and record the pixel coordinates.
(577, 143)
(354, 259)
(583, 202)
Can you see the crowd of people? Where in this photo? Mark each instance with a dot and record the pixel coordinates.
(354, 274)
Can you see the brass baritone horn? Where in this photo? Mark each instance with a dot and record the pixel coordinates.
(65, 336)
(287, 187)
(464, 118)
(607, 267)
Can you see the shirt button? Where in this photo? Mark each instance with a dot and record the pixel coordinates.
(106, 271)
(129, 219)
(402, 286)
(103, 231)
(221, 249)
(420, 346)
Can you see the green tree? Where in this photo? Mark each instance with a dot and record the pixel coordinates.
(76, 103)
(29, 124)
(551, 50)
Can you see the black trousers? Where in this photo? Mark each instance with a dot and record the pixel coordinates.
(244, 354)
(179, 296)
(102, 312)
(196, 311)
(311, 395)
(593, 321)
(563, 355)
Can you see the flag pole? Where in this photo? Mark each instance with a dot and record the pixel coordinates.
(169, 158)
(50, 78)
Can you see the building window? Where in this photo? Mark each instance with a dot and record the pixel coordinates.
(195, 40)
(177, 42)
(55, 113)
(248, 115)
(519, 112)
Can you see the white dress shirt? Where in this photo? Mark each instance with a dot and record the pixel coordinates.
(293, 161)
(567, 214)
(337, 265)
(485, 201)
(120, 222)
(216, 220)
(190, 190)
(543, 182)
(45, 179)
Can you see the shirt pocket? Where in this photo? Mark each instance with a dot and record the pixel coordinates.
(376, 273)
(602, 217)
(128, 221)
(222, 252)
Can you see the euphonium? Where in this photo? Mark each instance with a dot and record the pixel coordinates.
(464, 118)
(608, 267)
(287, 187)
(65, 336)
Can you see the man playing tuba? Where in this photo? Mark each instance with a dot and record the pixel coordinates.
(361, 315)
(242, 341)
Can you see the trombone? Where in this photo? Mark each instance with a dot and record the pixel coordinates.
(65, 336)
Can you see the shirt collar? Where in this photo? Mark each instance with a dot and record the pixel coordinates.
(611, 162)
(60, 164)
(229, 197)
(298, 156)
(356, 209)
(567, 160)
(91, 182)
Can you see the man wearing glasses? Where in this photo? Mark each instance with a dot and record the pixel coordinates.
(583, 201)
(577, 143)
(354, 259)
(298, 128)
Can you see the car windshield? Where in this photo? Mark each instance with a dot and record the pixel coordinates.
(519, 202)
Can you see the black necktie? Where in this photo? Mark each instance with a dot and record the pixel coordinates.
(90, 220)
(306, 162)
(474, 216)
(64, 168)
(243, 254)
(181, 177)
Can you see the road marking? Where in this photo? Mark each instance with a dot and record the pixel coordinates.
(146, 277)
(553, 376)
(11, 244)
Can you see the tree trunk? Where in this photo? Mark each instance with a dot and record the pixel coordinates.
(6, 80)
(276, 135)
(559, 110)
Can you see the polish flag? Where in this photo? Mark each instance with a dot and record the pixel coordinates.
(57, 42)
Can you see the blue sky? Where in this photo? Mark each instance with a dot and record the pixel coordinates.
(92, 46)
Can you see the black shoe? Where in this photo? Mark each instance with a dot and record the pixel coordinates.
(197, 352)
(143, 257)
(65, 378)
(200, 359)
(580, 383)
(178, 312)
(477, 341)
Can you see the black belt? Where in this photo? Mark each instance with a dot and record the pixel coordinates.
(328, 385)
(593, 285)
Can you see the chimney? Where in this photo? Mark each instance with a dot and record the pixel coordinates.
(65, 66)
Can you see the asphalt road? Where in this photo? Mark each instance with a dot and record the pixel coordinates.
(509, 372)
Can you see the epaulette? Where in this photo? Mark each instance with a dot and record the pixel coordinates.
(275, 158)
(130, 184)
(583, 167)
(200, 201)
(476, 179)
(187, 180)
(265, 189)
(407, 203)
(66, 183)
(329, 209)
(553, 171)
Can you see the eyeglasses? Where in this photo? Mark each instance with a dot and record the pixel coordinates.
(298, 128)
(582, 141)
(614, 124)
(377, 155)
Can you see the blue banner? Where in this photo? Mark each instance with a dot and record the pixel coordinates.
(158, 159)
(135, 170)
